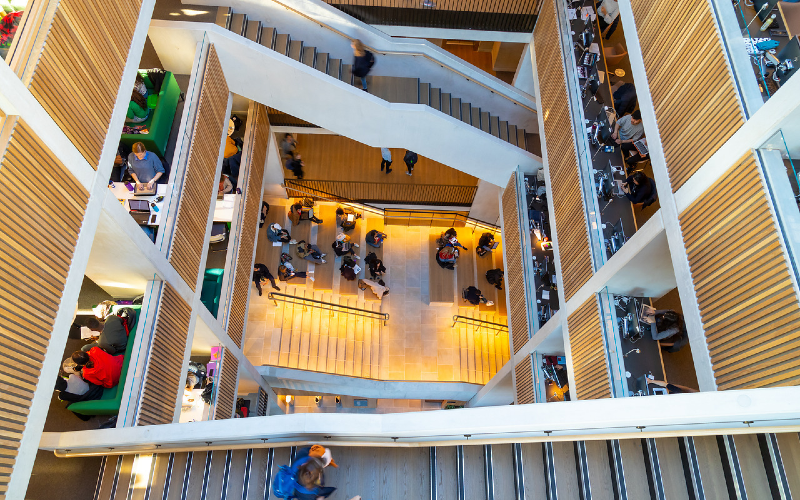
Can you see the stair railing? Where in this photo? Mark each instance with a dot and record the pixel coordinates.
(497, 327)
(328, 306)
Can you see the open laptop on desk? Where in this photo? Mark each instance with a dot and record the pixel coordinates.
(142, 190)
(641, 146)
(140, 211)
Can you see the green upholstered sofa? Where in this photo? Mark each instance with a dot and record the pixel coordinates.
(111, 400)
(159, 123)
(212, 289)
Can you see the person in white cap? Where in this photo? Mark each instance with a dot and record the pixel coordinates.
(276, 233)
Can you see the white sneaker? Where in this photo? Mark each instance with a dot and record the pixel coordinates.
(311, 278)
(356, 257)
(355, 245)
(323, 255)
(293, 242)
(490, 303)
(408, 173)
(323, 261)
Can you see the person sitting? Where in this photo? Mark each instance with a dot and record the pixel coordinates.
(451, 238)
(232, 156)
(375, 238)
(376, 267)
(138, 110)
(485, 244)
(625, 99)
(608, 18)
(286, 271)
(639, 188)
(98, 367)
(446, 257)
(670, 330)
(310, 252)
(113, 338)
(263, 216)
(628, 130)
(349, 268)
(260, 274)
(145, 167)
(72, 388)
(343, 246)
(495, 277)
(308, 477)
(225, 185)
(346, 219)
(276, 233)
(298, 212)
(475, 297)
(379, 288)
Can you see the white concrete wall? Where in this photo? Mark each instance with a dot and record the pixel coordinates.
(301, 91)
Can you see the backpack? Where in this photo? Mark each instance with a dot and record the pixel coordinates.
(308, 202)
(348, 261)
(370, 257)
(128, 317)
(447, 253)
(283, 485)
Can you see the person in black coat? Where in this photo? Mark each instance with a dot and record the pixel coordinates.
(411, 159)
(639, 188)
(261, 273)
(362, 63)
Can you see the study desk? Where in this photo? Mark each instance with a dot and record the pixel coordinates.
(122, 193)
(223, 208)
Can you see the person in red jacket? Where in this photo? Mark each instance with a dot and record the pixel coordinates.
(99, 367)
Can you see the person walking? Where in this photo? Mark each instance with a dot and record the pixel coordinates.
(261, 273)
(411, 159)
(362, 63)
(386, 159)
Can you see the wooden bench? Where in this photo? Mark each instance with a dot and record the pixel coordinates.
(441, 283)
(326, 234)
(375, 223)
(356, 236)
(483, 264)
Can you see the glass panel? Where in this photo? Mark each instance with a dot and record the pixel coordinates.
(541, 251)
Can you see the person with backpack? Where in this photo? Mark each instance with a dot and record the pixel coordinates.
(446, 257)
(349, 268)
(375, 238)
(310, 252)
(286, 270)
(362, 62)
(495, 277)
(411, 159)
(346, 219)
(343, 246)
(114, 336)
(302, 481)
(475, 296)
(376, 267)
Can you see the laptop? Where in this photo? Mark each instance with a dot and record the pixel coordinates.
(641, 146)
(142, 190)
(495, 245)
(140, 211)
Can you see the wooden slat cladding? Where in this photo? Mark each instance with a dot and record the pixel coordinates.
(164, 370)
(195, 202)
(252, 208)
(748, 306)
(226, 395)
(515, 281)
(262, 403)
(693, 91)
(42, 206)
(570, 214)
(79, 71)
(524, 382)
(589, 361)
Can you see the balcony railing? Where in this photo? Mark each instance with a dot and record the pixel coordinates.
(377, 192)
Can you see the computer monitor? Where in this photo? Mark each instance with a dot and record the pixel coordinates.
(790, 52)
(634, 328)
(605, 182)
(617, 238)
(764, 7)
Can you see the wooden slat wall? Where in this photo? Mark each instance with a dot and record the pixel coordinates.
(693, 91)
(252, 208)
(589, 361)
(42, 206)
(748, 306)
(262, 403)
(515, 281)
(164, 370)
(524, 382)
(571, 227)
(226, 395)
(194, 207)
(80, 68)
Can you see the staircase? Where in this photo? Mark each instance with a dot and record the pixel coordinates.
(390, 88)
(755, 466)
(483, 349)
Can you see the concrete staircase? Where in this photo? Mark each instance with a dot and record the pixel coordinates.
(482, 350)
(390, 88)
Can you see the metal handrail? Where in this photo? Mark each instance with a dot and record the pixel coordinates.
(465, 319)
(275, 297)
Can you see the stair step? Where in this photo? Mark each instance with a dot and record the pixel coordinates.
(512, 134)
(268, 36)
(445, 103)
(475, 117)
(282, 42)
(309, 56)
(316, 328)
(253, 30)
(466, 112)
(436, 99)
(425, 94)
(494, 126)
(321, 63)
(335, 68)
(296, 49)
(521, 141)
(347, 74)
(223, 17)
(238, 23)
(504, 131)
(455, 107)
(485, 122)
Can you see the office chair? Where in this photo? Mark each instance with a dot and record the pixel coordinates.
(614, 55)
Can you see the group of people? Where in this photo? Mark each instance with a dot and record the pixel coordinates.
(447, 246)
(98, 364)
(343, 246)
(638, 188)
(410, 159)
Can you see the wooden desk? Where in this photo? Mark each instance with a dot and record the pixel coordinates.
(121, 192)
